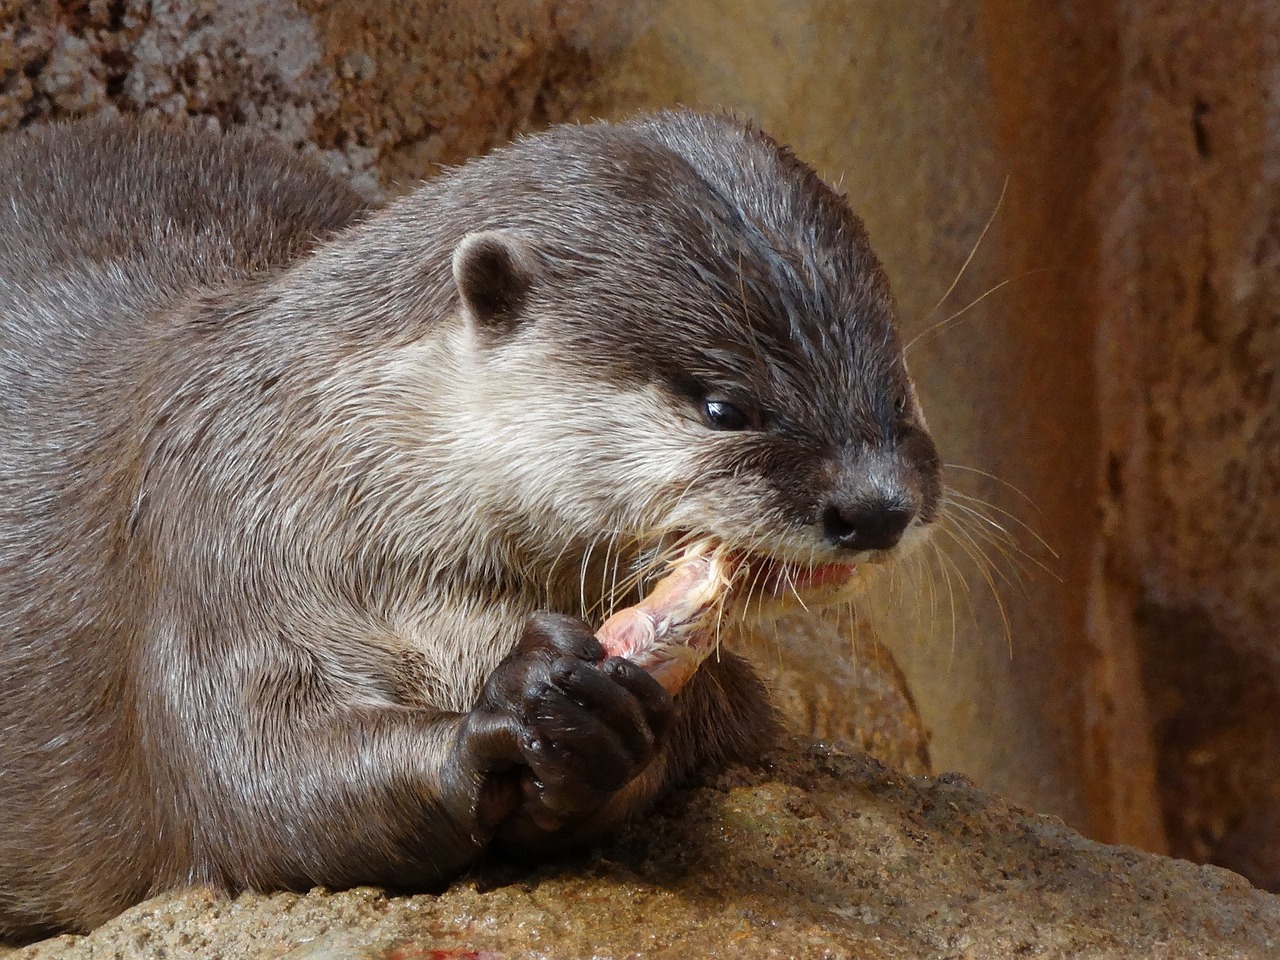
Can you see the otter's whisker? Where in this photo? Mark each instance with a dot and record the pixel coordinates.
(979, 506)
(943, 559)
(756, 586)
(979, 560)
(955, 317)
(582, 576)
(922, 590)
(601, 606)
(1000, 480)
(971, 524)
(791, 586)
(617, 551)
(973, 252)
(957, 526)
(551, 570)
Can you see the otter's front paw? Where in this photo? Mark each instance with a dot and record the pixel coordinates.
(557, 731)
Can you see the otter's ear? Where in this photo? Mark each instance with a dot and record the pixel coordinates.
(493, 270)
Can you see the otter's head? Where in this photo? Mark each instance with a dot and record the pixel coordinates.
(674, 328)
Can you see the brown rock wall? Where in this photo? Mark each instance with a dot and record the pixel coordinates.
(382, 91)
(816, 856)
(1056, 76)
(1187, 299)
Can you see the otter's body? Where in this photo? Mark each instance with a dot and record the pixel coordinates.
(286, 486)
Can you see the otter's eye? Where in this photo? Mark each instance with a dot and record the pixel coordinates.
(724, 416)
(900, 405)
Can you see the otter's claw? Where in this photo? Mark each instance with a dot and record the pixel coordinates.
(569, 729)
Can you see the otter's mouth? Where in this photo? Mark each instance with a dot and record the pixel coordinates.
(772, 577)
(758, 578)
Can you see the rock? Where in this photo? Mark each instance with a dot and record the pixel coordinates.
(833, 680)
(381, 92)
(816, 854)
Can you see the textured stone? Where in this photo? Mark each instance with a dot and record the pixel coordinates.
(1189, 192)
(382, 92)
(834, 681)
(818, 855)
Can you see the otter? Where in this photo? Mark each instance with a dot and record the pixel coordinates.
(308, 508)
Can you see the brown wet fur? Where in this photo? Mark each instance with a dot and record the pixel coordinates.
(242, 642)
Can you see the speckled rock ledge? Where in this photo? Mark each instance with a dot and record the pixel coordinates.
(816, 854)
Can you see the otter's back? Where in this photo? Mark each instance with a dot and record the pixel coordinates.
(104, 224)
(101, 222)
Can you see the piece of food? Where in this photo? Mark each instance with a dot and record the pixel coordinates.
(673, 629)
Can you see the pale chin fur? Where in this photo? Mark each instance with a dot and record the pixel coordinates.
(505, 421)
(507, 416)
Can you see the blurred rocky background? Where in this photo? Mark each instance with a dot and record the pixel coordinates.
(1095, 635)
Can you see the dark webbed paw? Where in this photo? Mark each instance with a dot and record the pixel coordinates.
(557, 731)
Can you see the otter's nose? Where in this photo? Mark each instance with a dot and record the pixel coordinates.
(875, 524)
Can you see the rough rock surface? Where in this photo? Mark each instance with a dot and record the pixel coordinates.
(381, 92)
(817, 854)
(1190, 342)
(833, 681)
